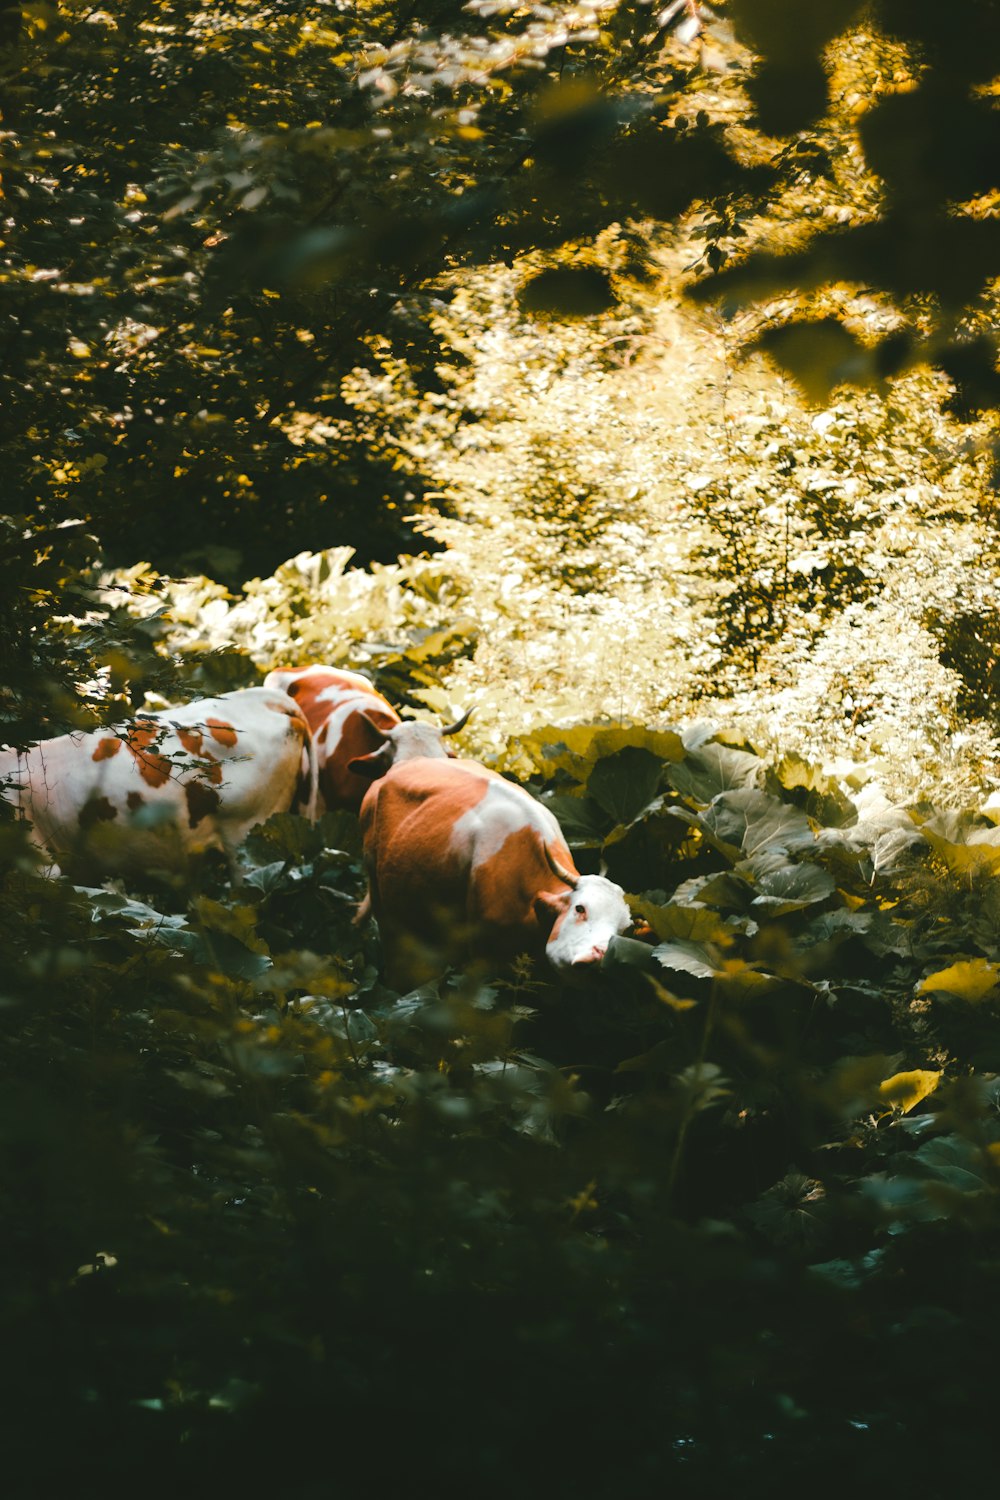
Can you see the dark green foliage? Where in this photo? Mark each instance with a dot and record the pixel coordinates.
(568, 293)
(933, 144)
(788, 97)
(734, 1217)
(265, 1218)
(970, 646)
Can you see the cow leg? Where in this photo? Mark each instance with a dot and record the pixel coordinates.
(403, 965)
(221, 848)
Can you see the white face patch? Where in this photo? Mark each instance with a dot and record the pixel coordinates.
(415, 741)
(596, 912)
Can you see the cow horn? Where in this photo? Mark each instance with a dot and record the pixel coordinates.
(459, 724)
(560, 871)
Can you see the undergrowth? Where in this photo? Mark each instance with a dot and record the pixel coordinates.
(737, 1205)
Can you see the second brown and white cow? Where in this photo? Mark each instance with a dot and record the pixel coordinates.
(345, 714)
(462, 863)
(163, 786)
(358, 734)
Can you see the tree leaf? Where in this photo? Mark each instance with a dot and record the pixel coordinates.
(687, 958)
(626, 782)
(568, 292)
(971, 979)
(905, 1090)
(791, 887)
(751, 821)
(715, 768)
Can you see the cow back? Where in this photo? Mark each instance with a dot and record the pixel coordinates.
(152, 791)
(456, 852)
(338, 706)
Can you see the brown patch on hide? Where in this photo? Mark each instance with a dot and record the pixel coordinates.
(153, 768)
(202, 802)
(97, 810)
(221, 732)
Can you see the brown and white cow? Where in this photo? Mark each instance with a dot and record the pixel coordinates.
(165, 785)
(358, 734)
(463, 863)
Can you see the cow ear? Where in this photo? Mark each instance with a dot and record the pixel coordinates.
(371, 767)
(547, 908)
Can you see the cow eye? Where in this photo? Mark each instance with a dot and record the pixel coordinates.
(580, 909)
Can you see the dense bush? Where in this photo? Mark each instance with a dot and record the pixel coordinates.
(275, 1226)
(731, 1219)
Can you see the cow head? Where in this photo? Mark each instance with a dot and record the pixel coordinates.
(581, 921)
(410, 740)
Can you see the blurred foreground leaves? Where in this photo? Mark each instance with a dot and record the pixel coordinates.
(269, 1225)
(257, 1204)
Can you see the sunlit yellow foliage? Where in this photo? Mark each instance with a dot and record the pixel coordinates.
(971, 979)
(904, 1091)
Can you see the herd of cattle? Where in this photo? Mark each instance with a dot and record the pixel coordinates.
(461, 863)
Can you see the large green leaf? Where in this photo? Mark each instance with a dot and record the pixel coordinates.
(688, 958)
(784, 887)
(819, 793)
(715, 768)
(904, 1091)
(628, 953)
(220, 950)
(836, 926)
(956, 1161)
(582, 820)
(850, 1274)
(965, 847)
(577, 749)
(626, 782)
(752, 822)
(972, 979)
(692, 923)
(726, 891)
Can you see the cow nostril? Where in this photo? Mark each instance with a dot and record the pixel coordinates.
(593, 957)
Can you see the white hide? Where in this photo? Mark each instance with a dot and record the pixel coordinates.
(247, 766)
(481, 832)
(595, 909)
(596, 913)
